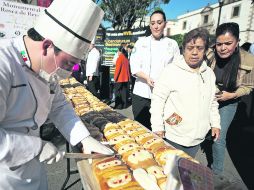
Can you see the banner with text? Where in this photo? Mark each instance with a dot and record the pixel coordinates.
(114, 39)
(17, 18)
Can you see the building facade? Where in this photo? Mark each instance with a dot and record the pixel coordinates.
(239, 11)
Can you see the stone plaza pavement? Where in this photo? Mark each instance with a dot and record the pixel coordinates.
(232, 180)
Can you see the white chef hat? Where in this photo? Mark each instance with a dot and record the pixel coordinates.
(70, 24)
(93, 40)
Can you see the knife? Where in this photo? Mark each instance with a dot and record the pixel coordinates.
(85, 156)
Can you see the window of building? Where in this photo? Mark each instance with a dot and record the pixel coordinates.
(236, 11)
(206, 17)
(184, 25)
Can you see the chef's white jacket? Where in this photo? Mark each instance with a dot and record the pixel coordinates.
(26, 101)
(151, 57)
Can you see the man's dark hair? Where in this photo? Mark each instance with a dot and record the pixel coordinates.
(230, 27)
(194, 35)
(130, 46)
(123, 44)
(159, 12)
(34, 35)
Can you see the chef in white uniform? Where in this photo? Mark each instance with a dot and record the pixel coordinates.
(29, 92)
(149, 57)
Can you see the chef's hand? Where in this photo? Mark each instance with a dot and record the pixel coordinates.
(215, 133)
(91, 145)
(49, 153)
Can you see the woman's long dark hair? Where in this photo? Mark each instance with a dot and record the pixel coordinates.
(232, 63)
(123, 51)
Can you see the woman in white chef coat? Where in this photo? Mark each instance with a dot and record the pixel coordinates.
(149, 57)
(29, 92)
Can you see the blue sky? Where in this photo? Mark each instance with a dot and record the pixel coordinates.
(177, 7)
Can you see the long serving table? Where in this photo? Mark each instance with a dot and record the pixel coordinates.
(95, 114)
(87, 177)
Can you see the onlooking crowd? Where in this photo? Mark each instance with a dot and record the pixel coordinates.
(184, 97)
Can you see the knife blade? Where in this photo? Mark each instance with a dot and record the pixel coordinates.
(85, 156)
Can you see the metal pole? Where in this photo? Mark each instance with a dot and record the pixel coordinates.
(220, 6)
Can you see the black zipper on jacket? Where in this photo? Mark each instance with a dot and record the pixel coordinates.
(19, 85)
(36, 106)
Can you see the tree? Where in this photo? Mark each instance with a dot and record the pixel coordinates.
(26, 1)
(124, 13)
(178, 38)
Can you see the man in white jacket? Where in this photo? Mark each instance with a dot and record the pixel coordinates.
(92, 68)
(184, 106)
(29, 92)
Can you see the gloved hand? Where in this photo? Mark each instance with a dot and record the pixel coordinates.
(49, 153)
(91, 145)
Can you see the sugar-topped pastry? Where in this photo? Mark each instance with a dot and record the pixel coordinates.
(64, 81)
(119, 179)
(130, 131)
(107, 163)
(120, 144)
(151, 142)
(136, 131)
(110, 126)
(139, 158)
(119, 139)
(104, 166)
(124, 122)
(131, 125)
(114, 178)
(162, 183)
(156, 170)
(111, 133)
(127, 147)
(144, 137)
(161, 154)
